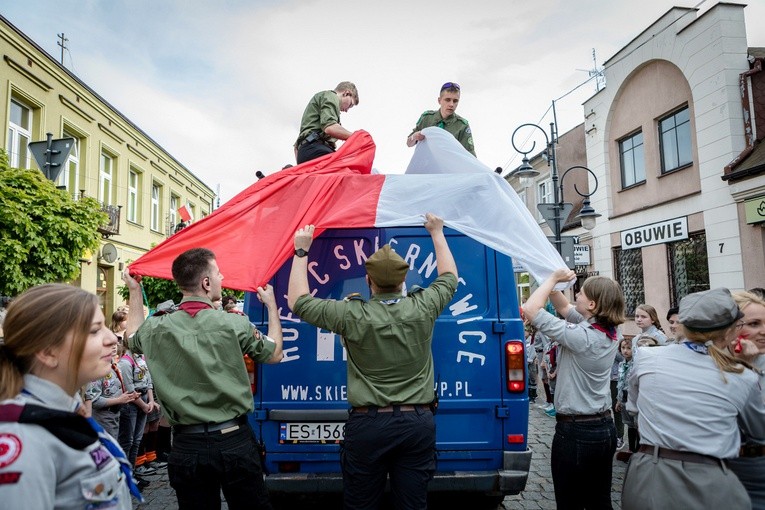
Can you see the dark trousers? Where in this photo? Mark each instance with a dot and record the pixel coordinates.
(581, 460)
(313, 150)
(132, 423)
(617, 415)
(200, 465)
(399, 444)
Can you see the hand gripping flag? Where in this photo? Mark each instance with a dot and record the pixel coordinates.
(252, 233)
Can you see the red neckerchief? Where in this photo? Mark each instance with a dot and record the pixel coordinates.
(610, 332)
(193, 307)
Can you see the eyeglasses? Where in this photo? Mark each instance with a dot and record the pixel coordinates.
(449, 85)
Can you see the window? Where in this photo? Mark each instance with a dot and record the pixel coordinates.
(632, 160)
(629, 274)
(675, 140)
(70, 174)
(19, 134)
(106, 169)
(132, 202)
(688, 267)
(173, 214)
(155, 194)
(544, 195)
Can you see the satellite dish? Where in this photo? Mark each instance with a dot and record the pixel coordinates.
(109, 253)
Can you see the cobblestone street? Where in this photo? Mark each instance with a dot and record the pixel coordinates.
(539, 492)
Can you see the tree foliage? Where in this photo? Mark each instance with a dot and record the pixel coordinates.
(43, 230)
(156, 290)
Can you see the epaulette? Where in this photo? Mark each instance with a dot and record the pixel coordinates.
(426, 112)
(354, 296)
(414, 290)
(462, 119)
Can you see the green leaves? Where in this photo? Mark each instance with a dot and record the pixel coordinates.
(43, 230)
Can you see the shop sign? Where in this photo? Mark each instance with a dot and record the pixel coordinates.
(667, 231)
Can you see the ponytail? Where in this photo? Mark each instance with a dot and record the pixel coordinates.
(11, 380)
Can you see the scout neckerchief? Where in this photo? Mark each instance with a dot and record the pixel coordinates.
(108, 442)
(610, 332)
(193, 307)
(697, 347)
(117, 371)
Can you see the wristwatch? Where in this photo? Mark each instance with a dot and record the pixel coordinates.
(300, 252)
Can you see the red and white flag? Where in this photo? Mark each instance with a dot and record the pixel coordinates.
(185, 213)
(252, 234)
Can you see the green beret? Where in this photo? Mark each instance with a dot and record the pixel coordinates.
(386, 267)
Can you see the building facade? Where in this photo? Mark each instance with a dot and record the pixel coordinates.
(139, 184)
(672, 139)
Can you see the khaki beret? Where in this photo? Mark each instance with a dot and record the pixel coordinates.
(386, 267)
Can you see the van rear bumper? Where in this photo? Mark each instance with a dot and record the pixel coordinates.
(509, 480)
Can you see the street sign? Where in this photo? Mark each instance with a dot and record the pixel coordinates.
(548, 213)
(566, 249)
(51, 154)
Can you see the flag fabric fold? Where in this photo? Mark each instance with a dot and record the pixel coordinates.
(252, 233)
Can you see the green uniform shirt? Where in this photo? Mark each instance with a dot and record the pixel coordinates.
(197, 363)
(454, 124)
(323, 110)
(388, 340)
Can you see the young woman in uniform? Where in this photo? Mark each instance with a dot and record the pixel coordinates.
(50, 456)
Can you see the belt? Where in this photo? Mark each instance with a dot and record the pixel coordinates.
(393, 408)
(223, 427)
(752, 450)
(666, 453)
(583, 417)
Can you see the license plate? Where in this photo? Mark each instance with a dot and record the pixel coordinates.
(298, 432)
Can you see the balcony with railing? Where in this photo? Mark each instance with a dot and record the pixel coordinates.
(112, 228)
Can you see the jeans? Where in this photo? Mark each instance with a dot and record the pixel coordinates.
(132, 423)
(200, 465)
(376, 445)
(581, 461)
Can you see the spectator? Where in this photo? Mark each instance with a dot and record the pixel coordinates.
(206, 406)
(750, 466)
(690, 399)
(625, 346)
(108, 395)
(56, 341)
(391, 429)
(674, 326)
(585, 437)
(615, 396)
(647, 320)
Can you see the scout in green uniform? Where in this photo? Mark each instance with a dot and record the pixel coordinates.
(320, 126)
(196, 357)
(391, 429)
(445, 118)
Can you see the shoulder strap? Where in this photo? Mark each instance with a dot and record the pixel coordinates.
(129, 358)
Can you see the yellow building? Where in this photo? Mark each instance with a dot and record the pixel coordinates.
(139, 184)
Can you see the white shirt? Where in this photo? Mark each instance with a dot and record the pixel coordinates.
(683, 402)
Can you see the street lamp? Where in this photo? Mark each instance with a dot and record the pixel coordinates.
(555, 213)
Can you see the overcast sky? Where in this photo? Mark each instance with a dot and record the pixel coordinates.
(221, 85)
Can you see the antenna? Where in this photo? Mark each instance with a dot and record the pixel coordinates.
(62, 43)
(596, 72)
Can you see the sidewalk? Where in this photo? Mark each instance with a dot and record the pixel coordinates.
(539, 493)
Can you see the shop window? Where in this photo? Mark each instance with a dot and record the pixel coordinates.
(629, 274)
(688, 267)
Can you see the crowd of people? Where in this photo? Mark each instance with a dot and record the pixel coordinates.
(692, 402)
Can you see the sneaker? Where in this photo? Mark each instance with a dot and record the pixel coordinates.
(549, 407)
(544, 405)
(144, 470)
(532, 400)
(142, 484)
(550, 411)
(619, 443)
(157, 464)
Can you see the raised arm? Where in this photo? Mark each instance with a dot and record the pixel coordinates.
(135, 316)
(266, 296)
(538, 298)
(298, 284)
(444, 258)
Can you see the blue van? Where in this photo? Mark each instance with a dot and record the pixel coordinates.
(480, 369)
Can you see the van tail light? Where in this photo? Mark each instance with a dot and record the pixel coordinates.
(515, 361)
